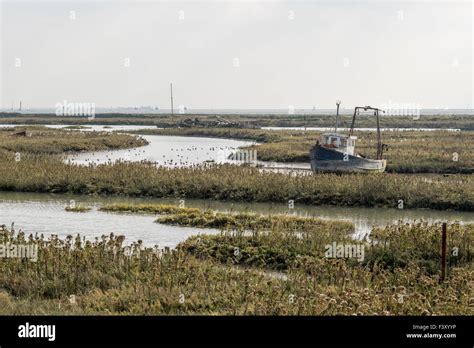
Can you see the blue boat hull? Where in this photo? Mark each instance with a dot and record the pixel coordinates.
(329, 160)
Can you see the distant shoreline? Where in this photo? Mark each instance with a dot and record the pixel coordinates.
(462, 122)
(230, 112)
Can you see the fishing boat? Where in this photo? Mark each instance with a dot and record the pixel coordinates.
(336, 151)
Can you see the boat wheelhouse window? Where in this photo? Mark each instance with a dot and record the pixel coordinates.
(335, 140)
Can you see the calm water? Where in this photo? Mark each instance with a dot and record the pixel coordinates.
(44, 213)
(168, 151)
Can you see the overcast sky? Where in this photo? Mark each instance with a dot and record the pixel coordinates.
(221, 54)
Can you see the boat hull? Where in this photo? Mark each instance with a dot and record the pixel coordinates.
(329, 160)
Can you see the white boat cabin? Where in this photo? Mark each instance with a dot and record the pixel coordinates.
(339, 142)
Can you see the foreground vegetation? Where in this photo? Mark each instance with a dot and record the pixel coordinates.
(398, 276)
(390, 247)
(408, 152)
(285, 237)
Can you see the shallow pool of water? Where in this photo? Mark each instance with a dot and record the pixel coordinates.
(44, 213)
(168, 151)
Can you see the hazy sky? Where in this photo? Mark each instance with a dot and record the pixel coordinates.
(223, 54)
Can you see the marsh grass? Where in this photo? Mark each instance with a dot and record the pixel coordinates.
(286, 242)
(235, 221)
(147, 208)
(279, 248)
(42, 140)
(251, 221)
(37, 173)
(108, 277)
(404, 243)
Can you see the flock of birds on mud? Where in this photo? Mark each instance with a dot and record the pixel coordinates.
(180, 156)
(197, 157)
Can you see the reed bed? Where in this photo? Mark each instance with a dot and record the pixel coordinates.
(226, 182)
(250, 221)
(106, 276)
(404, 243)
(285, 245)
(194, 217)
(41, 140)
(147, 208)
(278, 248)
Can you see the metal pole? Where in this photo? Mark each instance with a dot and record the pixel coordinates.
(172, 110)
(379, 141)
(443, 252)
(353, 120)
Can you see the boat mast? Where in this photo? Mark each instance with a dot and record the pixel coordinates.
(379, 137)
(338, 102)
(356, 109)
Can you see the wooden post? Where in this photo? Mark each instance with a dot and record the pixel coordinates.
(443, 252)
